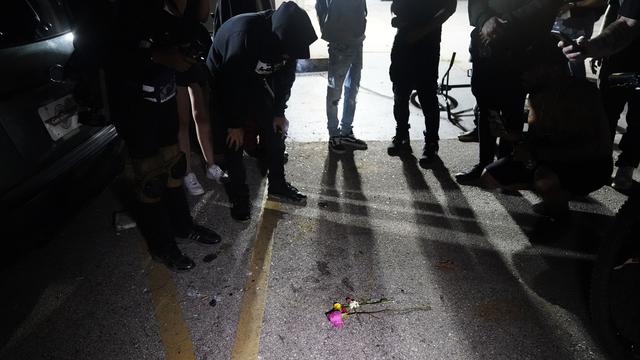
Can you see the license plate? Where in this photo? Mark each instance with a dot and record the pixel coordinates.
(60, 117)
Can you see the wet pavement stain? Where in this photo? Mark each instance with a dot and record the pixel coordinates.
(500, 310)
(323, 268)
(348, 284)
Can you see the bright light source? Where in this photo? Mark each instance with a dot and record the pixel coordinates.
(69, 36)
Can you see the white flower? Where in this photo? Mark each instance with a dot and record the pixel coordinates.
(354, 305)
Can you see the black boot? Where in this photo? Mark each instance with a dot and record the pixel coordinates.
(429, 154)
(470, 177)
(155, 225)
(400, 144)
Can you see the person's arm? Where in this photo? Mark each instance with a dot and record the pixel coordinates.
(532, 13)
(322, 9)
(613, 38)
(282, 82)
(237, 72)
(479, 13)
(436, 22)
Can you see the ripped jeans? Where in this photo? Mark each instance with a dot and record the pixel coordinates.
(345, 65)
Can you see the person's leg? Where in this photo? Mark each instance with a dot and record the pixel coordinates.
(512, 116)
(485, 86)
(555, 199)
(402, 80)
(630, 142)
(184, 120)
(339, 63)
(351, 88)
(427, 88)
(629, 158)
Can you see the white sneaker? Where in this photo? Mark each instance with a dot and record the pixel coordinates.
(214, 172)
(193, 186)
(623, 179)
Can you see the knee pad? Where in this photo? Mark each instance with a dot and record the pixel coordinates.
(175, 164)
(150, 178)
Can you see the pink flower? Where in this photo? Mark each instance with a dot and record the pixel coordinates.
(335, 317)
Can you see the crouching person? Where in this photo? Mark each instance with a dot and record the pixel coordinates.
(142, 88)
(252, 61)
(567, 150)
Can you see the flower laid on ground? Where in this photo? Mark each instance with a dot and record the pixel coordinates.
(340, 312)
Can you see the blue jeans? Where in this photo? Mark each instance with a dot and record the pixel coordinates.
(345, 66)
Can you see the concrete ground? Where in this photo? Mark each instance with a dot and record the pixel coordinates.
(470, 274)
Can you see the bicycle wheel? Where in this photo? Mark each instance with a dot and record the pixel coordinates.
(615, 286)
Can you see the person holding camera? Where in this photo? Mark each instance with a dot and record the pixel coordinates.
(619, 46)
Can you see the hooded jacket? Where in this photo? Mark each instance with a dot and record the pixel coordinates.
(342, 21)
(528, 20)
(248, 55)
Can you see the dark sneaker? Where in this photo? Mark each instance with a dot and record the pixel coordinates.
(400, 146)
(202, 235)
(429, 155)
(470, 136)
(350, 141)
(241, 209)
(470, 177)
(287, 193)
(335, 145)
(176, 262)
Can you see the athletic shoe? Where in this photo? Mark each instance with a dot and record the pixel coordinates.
(623, 179)
(470, 177)
(470, 136)
(350, 141)
(240, 208)
(176, 261)
(429, 155)
(214, 172)
(335, 145)
(287, 193)
(400, 145)
(193, 186)
(201, 235)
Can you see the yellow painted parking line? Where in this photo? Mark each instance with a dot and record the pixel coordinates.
(174, 332)
(247, 342)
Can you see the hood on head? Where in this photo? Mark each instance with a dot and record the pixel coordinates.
(293, 27)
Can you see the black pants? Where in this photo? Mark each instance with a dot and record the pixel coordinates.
(146, 127)
(272, 143)
(497, 87)
(614, 102)
(414, 66)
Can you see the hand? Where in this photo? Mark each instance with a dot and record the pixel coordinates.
(281, 123)
(173, 58)
(575, 53)
(235, 138)
(492, 29)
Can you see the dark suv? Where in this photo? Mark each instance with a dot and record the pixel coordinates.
(48, 158)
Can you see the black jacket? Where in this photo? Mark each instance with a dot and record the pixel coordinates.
(247, 56)
(528, 19)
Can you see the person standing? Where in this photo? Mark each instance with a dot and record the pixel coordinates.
(141, 83)
(343, 24)
(506, 35)
(415, 57)
(252, 61)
